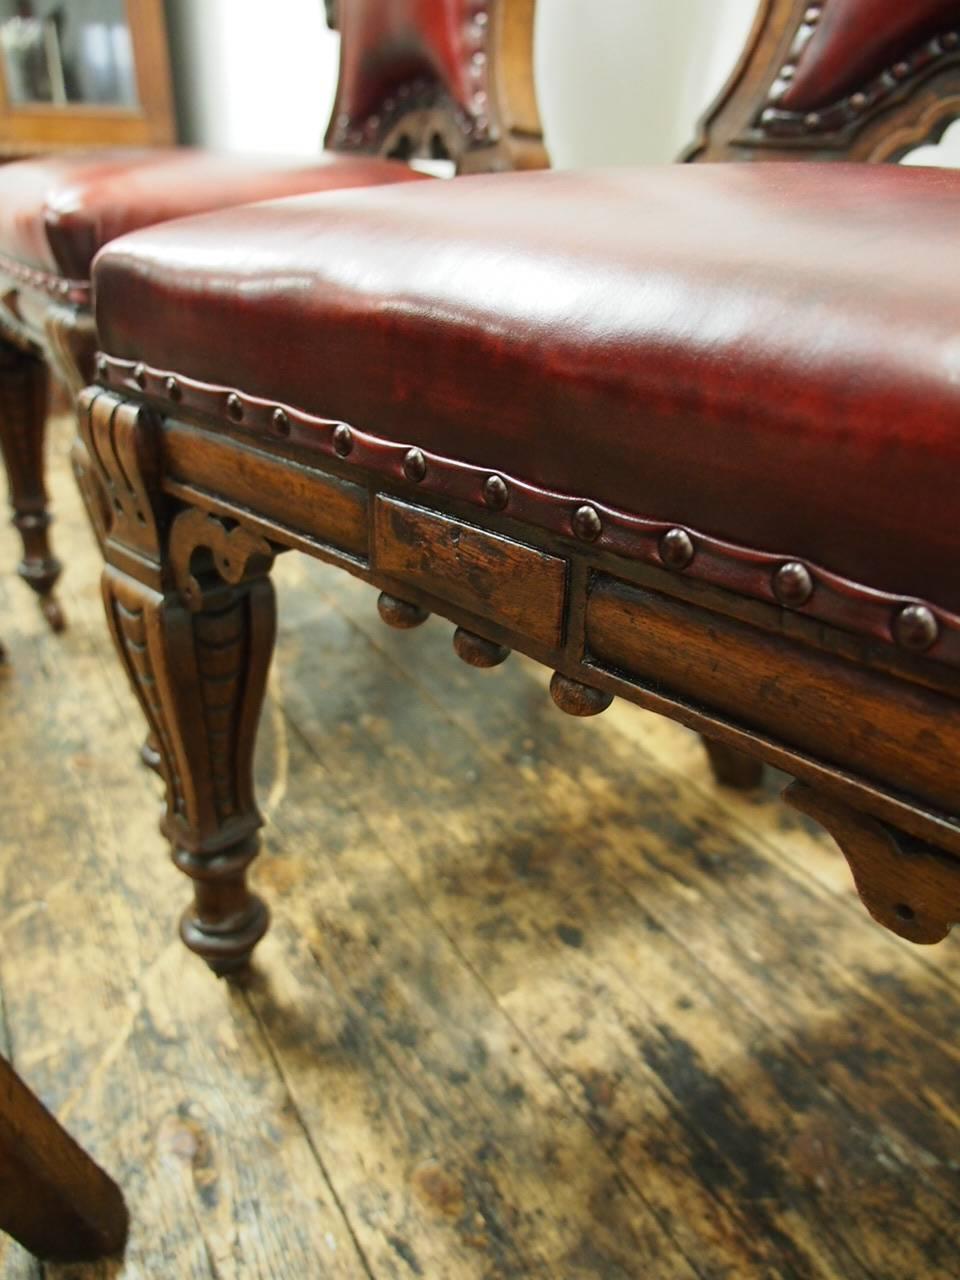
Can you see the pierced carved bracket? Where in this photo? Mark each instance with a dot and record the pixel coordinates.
(907, 886)
(236, 555)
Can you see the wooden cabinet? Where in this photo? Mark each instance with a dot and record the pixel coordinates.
(76, 73)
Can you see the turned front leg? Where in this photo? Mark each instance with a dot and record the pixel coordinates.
(200, 674)
(192, 614)
(24, 403)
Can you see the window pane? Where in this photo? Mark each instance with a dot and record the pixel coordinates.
(67, 51)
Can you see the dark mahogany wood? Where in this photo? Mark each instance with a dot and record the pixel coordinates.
(838, 80)
(23, 416)
(53, 1199)
(732, 768)
(867, 731)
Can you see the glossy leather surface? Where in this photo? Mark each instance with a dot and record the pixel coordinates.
(769, 354)
(857, 40)
(57, 211)
(387, 44)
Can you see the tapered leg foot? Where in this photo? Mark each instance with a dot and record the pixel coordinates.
(24, 398)
(225, 921)
(732, 768)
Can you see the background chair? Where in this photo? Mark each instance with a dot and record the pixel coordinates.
(442, 79)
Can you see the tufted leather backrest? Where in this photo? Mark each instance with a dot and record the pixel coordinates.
(839, 79)
(442, 79)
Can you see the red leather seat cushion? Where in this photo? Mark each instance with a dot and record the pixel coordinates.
(769, 354)
(57, 211)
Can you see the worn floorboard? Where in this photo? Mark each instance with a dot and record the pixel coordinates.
(538, 1000)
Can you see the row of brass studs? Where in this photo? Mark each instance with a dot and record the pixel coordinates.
(914, 627)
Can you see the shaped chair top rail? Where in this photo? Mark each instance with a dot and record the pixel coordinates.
(437, 79)
(838, 80)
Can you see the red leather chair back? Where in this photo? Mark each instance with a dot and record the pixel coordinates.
(839, 80)
(443, 79)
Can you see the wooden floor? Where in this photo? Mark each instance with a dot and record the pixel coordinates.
(538, 1000)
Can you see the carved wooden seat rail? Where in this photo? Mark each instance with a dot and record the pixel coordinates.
(748, 530)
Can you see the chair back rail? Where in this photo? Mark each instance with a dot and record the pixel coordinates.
(838, 80)
(438, 79)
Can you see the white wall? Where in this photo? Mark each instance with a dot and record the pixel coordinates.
(252, 76)
(625, 86)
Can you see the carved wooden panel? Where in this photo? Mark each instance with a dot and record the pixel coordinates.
(492, 576)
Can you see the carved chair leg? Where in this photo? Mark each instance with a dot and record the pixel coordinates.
(906, 884)
(192, 614)
(53, 1198)
(95, 499)
(732, 768)
(200, 674)
(24, 388)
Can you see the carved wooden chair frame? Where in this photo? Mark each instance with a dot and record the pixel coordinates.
(207, 485)
(907, 104)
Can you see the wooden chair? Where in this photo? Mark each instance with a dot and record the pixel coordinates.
(838, 80)
(863, 80)
(53, 1199)
(438, 78)
(602, 419)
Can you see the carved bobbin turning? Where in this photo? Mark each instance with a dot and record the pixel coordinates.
(401, 614)
(578, 699)
(476, 651)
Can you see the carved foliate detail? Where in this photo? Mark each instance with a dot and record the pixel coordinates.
(128, 607)
(193, 619)
(906, 885)
(123, 447)
(95, 499)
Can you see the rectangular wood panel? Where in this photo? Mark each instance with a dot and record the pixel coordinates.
(332, 510)
(878, 727)
(516, 586)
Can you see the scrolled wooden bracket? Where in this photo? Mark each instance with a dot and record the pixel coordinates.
(908, 886)
(236, 554)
